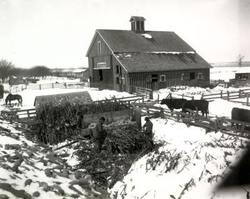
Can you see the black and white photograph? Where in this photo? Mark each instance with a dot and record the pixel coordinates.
(125, 99)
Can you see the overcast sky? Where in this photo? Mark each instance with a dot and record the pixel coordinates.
(57, 33)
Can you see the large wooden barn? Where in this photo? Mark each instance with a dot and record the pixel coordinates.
(125, 59)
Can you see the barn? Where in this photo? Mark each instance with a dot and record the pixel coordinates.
(125, 59)
(242, 78)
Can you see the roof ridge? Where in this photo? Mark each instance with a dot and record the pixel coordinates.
(133, 31)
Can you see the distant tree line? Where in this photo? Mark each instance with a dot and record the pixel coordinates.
(8, 69)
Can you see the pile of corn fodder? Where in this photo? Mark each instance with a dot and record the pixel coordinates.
(60, 122)
(122, 147)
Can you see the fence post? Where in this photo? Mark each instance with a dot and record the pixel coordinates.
(53, 86)
(228, 95)
(182, 95)
(40, 86)
(221, 94)
(28, 113)
(192, 97)
(202, 95)
(247, 99)
(240, 93)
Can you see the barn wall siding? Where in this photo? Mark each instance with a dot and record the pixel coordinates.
(95, 57)
(173, 78)
(121, 75)
(94, 48)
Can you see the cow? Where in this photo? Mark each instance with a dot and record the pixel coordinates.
(242, 115)
(199, 105)
(173, 103)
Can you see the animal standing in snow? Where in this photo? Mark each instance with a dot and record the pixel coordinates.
(11, 97)
(199, 105)
(1, 91)
(173, 103)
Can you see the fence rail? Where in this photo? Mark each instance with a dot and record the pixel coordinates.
(228, 126)
(27, 114)
(146, 92)
(19, 88)
(242, 93)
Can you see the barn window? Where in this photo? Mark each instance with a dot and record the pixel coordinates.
(182, 76)
(117, 69)
(99, 47)
(242, 76)
(154, 78)
(200, 76)
(192, 76)
(162, 78)
(100, 75)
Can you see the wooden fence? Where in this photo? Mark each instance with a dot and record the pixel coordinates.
(210, 123)
(229, 95)
(30, 114)
(146, 92)
(19, 88)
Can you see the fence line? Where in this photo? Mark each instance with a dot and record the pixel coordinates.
(242, 93)
(19, 88)
(146, 92)
(223, 124)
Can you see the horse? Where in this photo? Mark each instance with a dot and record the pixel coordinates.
(11, 97)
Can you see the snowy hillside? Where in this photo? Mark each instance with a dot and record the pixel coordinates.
(189, 165)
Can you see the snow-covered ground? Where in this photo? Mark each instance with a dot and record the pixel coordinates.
(30, 95)
(189, 155)
(189, 164)
(226, 73)
(196, 92)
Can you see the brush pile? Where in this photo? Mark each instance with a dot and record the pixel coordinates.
(60, 122)
(123, 145)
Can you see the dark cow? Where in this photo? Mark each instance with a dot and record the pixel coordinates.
(11, 97)
(242, 115)
(1, 91)
(173, 103)
(199, 105)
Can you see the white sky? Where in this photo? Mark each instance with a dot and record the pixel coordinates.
(57, 33)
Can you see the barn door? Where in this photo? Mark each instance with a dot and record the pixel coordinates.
(154, 81)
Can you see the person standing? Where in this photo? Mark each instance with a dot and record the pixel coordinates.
(148, 130)
(99, 134)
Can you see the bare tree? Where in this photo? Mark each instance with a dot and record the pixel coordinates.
(5, 69)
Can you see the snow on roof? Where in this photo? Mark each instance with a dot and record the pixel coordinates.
(243, 70)
(171, 52)
(123, 55)
(147, 36)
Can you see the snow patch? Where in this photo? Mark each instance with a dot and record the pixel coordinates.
(171, 52)
(147, 36)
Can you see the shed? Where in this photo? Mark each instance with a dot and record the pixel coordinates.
(58, 99)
